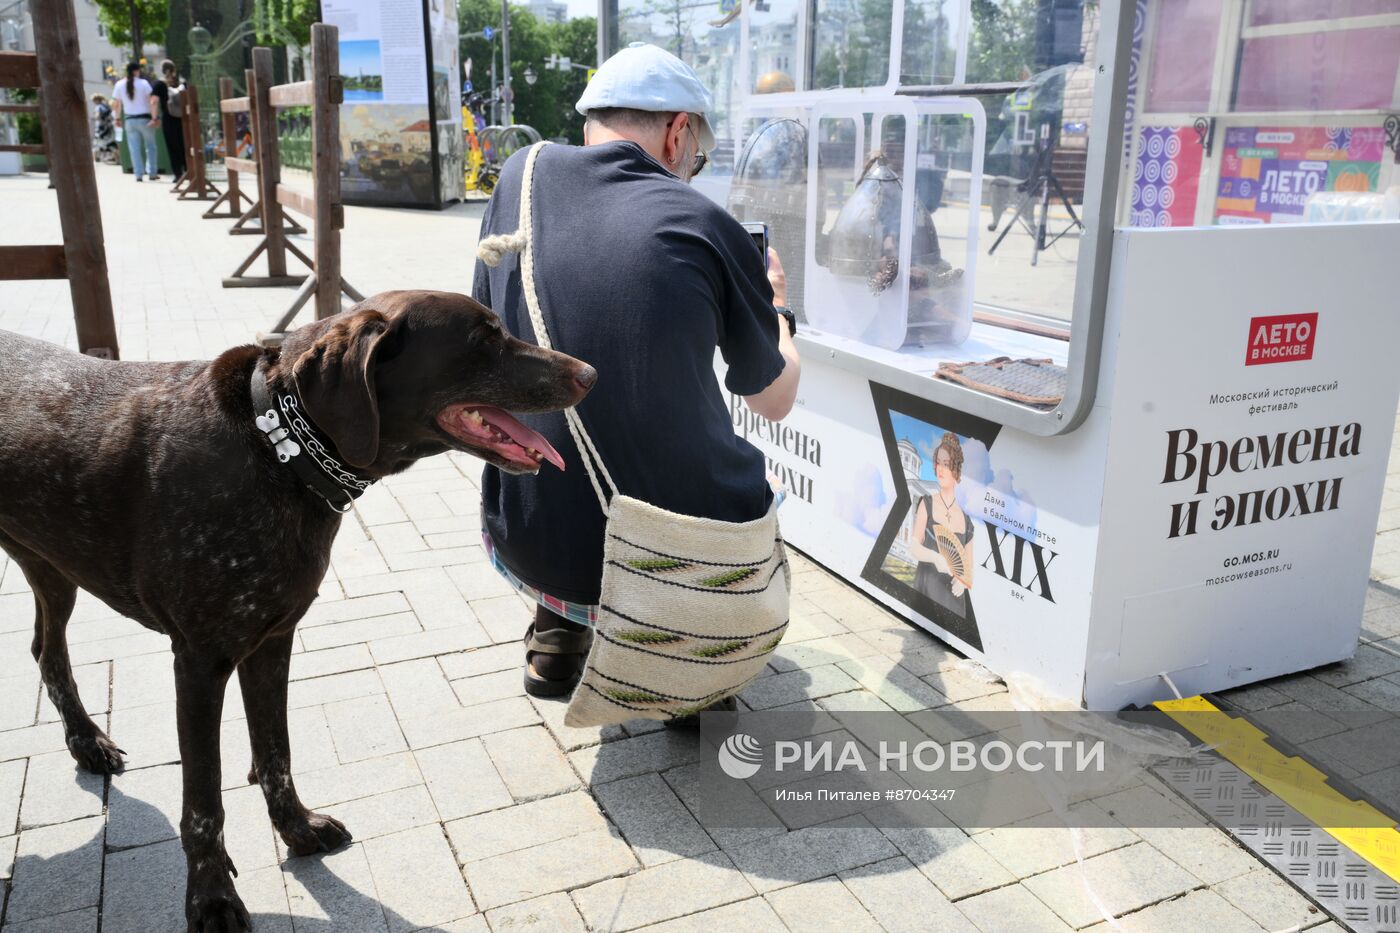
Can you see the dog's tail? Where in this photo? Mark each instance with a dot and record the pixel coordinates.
(492, 249)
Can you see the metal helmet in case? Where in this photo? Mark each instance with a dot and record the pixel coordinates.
(864, 243)
(770, 186)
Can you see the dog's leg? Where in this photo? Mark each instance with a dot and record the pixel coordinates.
(211, 903)
(54, 596)
(263, 679)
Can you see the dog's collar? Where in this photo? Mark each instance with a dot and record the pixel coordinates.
(299, 445)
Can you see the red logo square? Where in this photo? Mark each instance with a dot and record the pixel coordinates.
(1281, 338)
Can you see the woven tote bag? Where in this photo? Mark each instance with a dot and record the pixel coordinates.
(691, 608)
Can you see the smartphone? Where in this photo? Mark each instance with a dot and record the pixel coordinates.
(759, 232)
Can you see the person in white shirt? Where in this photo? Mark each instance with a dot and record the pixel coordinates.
(136, 106)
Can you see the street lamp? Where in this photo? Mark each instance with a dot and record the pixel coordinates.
(531, 76)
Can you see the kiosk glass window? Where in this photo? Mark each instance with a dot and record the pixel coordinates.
(1011, 40)
(1183, 55)
(1270, 111)
(932, 39)
(939, 225)
(706, 39)
(963, 213)
(851, 44)
(776, 51)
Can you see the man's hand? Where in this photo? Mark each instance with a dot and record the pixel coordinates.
(777, 400)
(777, 278)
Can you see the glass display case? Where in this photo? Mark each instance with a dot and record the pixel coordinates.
(1029, 129)
(875, 264)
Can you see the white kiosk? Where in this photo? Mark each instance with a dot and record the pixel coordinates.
(1134, 437)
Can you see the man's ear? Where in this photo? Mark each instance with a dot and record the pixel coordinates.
(336, 381)
(673, 144)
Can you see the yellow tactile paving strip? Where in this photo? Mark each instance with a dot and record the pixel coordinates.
(1356, 824)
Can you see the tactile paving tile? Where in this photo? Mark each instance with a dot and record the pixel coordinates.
(1357, 894)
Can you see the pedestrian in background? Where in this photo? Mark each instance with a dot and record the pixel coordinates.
(170, 91)
(104, 130)
(136, 106)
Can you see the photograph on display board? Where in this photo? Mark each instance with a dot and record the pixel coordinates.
(386, 154)
(447, 93)
(362, 69)
(442, 92)
(451, 152)
(927, 552)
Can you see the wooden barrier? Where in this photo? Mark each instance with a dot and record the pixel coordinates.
(323, 93)
(232, 193)
(229, 107)
(56, 70)
(196, 185)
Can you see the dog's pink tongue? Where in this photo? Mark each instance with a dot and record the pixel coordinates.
(522, 435)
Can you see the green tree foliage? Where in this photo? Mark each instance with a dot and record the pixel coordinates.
(1002, 44)
(853, 39)
(294, 17)
(548, 105)
(134, 22)
(30, 129)
(678, 19)
(929, 56)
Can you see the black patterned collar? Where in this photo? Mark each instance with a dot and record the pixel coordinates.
(292, 435)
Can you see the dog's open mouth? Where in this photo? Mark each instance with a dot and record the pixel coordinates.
(488, 428)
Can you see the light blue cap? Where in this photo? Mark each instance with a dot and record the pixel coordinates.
(647, 77)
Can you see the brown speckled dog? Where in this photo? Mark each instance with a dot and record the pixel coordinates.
(151, 486)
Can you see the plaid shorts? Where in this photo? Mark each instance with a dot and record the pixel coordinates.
(577, 613)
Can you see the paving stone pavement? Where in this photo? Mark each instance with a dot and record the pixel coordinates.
(474, 808)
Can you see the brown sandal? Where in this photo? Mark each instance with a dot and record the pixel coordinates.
(555, 641)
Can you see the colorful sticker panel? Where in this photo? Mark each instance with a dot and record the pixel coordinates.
(1166, 178)
(1267, 174)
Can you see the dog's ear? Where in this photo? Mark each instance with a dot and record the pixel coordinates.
(336, 381)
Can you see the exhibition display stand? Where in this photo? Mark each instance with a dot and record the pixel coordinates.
(1169, 482)
(401, 117)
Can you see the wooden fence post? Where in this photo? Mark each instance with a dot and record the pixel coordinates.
(197, 187)
(325, 162)
(254, 210)
(274, 236)
(244, 226)
(64, 112)
(324, 93)
(269, 163)
(232, 195)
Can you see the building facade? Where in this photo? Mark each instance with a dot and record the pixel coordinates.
(102, 62)
(549, 11)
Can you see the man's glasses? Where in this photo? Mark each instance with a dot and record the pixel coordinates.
(701, 158)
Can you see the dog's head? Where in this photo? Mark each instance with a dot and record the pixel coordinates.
(408, 374)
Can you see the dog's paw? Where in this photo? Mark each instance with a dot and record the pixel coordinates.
(217, 910)
(96, 753)
(317, 833)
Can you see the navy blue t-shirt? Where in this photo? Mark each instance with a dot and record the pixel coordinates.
(642, 277)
